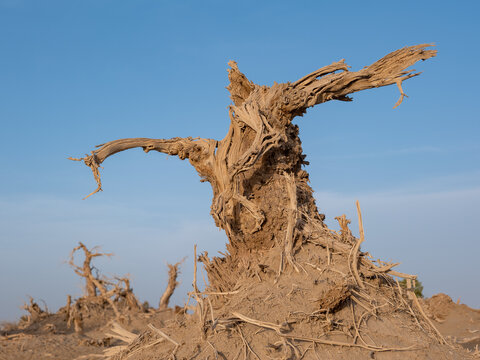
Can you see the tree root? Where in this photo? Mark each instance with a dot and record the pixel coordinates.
(281, 332)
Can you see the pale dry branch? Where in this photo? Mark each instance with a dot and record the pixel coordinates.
(201, 309)
(292, 220)
(356, 248)
(281, 332)
(335, 82)
(422, 312)
(277, 328)
(385, 268)
(196, 149)
(219, 292)
(162, 334)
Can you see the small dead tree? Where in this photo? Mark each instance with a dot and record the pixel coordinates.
(261, 195)
(111, 291)
(86, 269)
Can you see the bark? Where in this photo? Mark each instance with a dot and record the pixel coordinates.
(257, 167)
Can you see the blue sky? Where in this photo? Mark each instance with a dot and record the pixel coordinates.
(74, 74)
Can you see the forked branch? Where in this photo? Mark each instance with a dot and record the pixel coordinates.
(85, 271)
(328, 84)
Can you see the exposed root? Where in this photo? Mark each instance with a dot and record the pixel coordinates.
(281, 332)
(420, 309)
(402, 94)
(201, 309)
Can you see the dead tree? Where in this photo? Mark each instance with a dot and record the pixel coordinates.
(85, 270)
(261, 196)
(100, 290)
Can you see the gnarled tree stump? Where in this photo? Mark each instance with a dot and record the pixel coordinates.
(261, 196)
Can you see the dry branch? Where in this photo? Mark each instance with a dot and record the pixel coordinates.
(193, 149)
(422, 312)
(356, 248)
(168, 338)
(326, 84)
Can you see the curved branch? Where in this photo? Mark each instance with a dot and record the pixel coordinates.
(326, 84)
(198, 150)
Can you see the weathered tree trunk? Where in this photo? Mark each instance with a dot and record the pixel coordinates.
(261, 196)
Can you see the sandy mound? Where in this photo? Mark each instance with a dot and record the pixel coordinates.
(300, 316)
